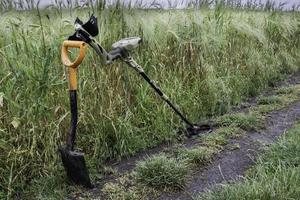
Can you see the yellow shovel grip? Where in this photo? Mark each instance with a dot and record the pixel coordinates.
(72, 65)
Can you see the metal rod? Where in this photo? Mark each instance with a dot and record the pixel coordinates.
(164, 97)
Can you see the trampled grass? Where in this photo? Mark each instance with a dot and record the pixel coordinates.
(246, 121)
(266, 100)
(197, 156)
(220, 137)
(284, 96)
(206, 60)
(285, 90)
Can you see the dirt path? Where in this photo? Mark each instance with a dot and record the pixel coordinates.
(128, 164)
(230, 165)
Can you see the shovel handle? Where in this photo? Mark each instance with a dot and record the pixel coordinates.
(64, 53)
(72, 65)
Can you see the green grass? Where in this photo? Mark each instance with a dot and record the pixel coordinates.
(160, 171)
(206, 61)
(198, 155)
(125, 187)
(276, 175)
(284, 96)
(266, 100)
(285, 90)
(163, 172)
(220, 137)
(246, 121)
(119, 192)
(47, 188)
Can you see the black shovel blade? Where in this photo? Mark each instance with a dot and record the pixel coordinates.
(75, 167)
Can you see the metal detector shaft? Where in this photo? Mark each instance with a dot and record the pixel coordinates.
(132, 63)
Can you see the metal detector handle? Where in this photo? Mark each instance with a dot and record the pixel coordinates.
(73, 65)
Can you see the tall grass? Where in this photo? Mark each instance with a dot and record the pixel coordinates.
(268, 5)
(206, 61)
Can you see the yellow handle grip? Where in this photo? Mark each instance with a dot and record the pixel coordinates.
(72, 65)
(64, 53)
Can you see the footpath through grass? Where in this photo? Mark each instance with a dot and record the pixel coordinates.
(276, 176)
(171, 170)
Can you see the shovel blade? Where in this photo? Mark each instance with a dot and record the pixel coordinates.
(75, 167)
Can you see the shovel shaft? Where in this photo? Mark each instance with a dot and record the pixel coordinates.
(74, 117)
(72, 78)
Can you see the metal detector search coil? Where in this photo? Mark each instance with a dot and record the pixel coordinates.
(127, 43)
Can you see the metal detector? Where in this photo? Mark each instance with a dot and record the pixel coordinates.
(84, 33)
(121, 50)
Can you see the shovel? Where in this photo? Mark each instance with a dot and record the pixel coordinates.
(73, 160)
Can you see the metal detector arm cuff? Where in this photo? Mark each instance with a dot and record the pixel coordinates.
(86, 37)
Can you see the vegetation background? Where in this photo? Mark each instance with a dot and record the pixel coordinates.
(207, 60)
